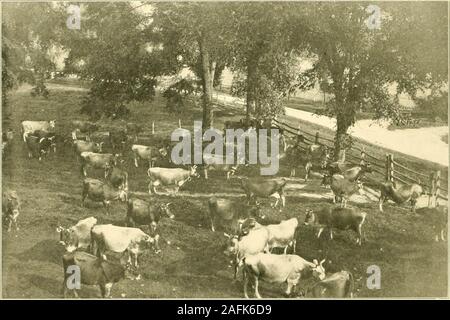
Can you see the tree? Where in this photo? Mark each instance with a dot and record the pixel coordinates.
(114, 50)
(358, 64)
(29, 33)
(261, 51)
(193, 34)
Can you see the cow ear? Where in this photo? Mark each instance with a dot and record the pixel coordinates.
(321, 262)
(227, 235)
(316, 262)
(59, 229)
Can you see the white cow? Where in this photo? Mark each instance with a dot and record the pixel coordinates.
(119, 239)
(31, 126)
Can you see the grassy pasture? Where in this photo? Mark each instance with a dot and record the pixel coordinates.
(193, 264)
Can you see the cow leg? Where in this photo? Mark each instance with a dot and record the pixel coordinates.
(331, 234)
(136, 161)
(380, 203)
(228, 175)
(102, 290)
(212, 224)
(442, 235)
(106, 205)
(245, 283)
(283, 200)
(236, 269)
(108, 287)
(205, 171)
(257, 295)
(320, 232)
(293, 172)
(291, 284)
(10, 223)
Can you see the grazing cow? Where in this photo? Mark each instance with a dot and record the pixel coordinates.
(118, 178)
(77, 236)
(342, 188)
(336, 285)
(169, 176)
(257, 187)
(282, 235)
(254, 242)
(28, 127)
(275, 268)
(93, 271)
(11, 208)
(98, 161)
(141, 212)
(147, 153)
(81, 146)
(437, 216)
(133, 129)
(99, 191)
(230, 213)
(118, 139)
(339, 218)
(117, 239)
(37, 147)
(214, 162)
(317, 158)
(400, 195)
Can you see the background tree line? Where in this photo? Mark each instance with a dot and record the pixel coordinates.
(123, 49)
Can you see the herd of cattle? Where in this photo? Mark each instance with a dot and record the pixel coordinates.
(250, 244)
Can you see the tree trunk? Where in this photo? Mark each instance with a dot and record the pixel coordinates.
(251, 80)
(208, 70)
(342, 125)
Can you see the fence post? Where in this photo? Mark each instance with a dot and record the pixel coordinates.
(389, 167)
(438, 187)
(316, 140)
(432, 189)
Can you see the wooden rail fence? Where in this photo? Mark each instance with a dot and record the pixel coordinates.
(388, 168)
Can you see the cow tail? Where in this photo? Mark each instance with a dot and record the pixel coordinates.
(350, 285)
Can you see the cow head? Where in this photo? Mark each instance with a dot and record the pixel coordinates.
(52, 123)
(98, 146)
(165, 209)
(232, 245)
(194, 172)
(318, 269)
(326, 180)
(310, 217)
(67, 238)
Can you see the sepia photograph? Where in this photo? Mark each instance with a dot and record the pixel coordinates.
(224, 150)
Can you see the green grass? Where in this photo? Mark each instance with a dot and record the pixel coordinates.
(193, 265)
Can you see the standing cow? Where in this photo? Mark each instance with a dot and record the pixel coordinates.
(275, 268)
(265, 188)
(141, 212)
(230, 214)
(92, 271)
(99, 191)
(117, 239)
(339, 218)
(169, 177)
